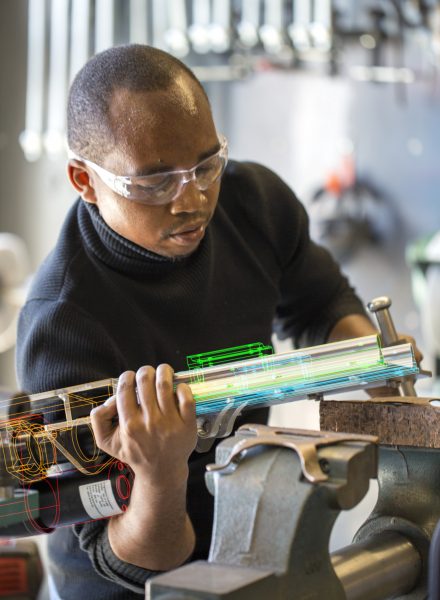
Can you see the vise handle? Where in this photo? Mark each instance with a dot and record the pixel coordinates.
(380, 308)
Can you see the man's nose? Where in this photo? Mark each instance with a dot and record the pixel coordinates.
(190, 199)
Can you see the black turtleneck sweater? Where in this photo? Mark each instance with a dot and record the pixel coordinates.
(100, 305)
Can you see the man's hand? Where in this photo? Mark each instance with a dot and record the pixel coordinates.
(357, 326)
(389, 391)
(404, 338)
(156, 432)
(155, 436)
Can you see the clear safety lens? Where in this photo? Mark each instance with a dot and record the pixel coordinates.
(162, 188)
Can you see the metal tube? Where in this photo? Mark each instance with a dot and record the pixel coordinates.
(220, 26)
(271, 32)
(160, 23)
(54, 137)
(299, 29)
(139, 22)
(198, 32)
(31, 137)
(250, 21)
(104, 24)
(380, 308)
(79, 40)
(175, 35)
(387, 565)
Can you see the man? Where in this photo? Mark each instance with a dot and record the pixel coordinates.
(166, 254)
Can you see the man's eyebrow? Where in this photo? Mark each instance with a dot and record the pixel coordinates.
(149, 170)
(210, 152)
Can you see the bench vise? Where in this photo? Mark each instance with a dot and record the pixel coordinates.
(278, 493)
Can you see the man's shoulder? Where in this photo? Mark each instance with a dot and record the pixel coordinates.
(253, 176)
(56, 269)
(257, 190)
(253, 196)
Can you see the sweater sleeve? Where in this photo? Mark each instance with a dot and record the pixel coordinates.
(93, 539)
(314, 294)
(60, 345)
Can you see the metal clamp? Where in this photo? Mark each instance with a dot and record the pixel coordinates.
(304, 443)
(212, 426)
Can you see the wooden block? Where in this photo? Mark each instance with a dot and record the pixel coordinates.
(396, 420)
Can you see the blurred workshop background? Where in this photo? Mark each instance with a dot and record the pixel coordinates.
(341, 98)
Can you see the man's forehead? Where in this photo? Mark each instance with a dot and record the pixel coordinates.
(161, 124)
(179, 100)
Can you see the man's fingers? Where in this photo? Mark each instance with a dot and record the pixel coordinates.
(187, 405)
(164, 389)
(381, 391)
(417, 354)
(102, 423)
(126, 397)
(146, 389)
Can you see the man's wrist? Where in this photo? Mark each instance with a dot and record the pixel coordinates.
(149, 481)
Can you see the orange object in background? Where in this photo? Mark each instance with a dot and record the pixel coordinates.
(21, 571)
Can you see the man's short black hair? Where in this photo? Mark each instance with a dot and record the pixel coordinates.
(133, 67)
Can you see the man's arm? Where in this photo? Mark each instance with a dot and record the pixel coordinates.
(351, 326)
(155, 436)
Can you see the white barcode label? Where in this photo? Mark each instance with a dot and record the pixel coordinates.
(98, 499)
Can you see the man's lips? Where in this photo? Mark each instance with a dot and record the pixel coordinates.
(190, 234)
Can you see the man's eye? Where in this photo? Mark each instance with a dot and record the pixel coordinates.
(208, 167)
(156, 184)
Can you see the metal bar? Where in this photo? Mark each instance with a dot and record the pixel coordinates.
(139, 19)
(79, 42)
(385, 566)
(322, 12)
(30, 138)
(104, 24)
(177, 14)
(380, 307)
(54, 138)
(198, 32)
(249, 23)
(160, 23)
(271, 32)
(299, 30)
(321, 27)
(302, 11)
(220, 27)
(175, 36)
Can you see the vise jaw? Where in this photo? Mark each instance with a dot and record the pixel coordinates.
(277, 495)
(408, 469)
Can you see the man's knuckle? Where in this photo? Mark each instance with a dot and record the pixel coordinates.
(145, 372)
(124, 382)
(163, 385)
(132, 427)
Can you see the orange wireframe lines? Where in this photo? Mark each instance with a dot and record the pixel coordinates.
(32, 442)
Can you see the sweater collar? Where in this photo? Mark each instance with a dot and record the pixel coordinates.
(121, 254)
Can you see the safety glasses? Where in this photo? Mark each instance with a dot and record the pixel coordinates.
(162, 188)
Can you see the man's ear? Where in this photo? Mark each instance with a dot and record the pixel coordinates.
(80, 179)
